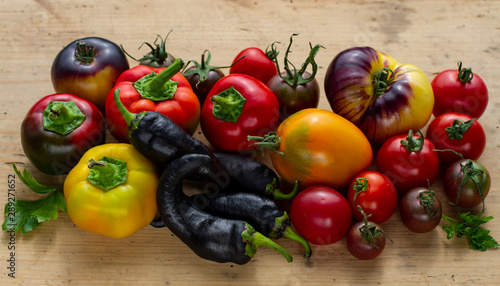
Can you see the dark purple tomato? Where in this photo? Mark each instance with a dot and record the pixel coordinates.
(420, 210)
(88, 68)
(365, 240)
(466, 183)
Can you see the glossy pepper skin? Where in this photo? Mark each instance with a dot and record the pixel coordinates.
(88, 68)
(128, 205)
(52, 151)
(208, 236)
(379, 95)
(169, 93)
(238, 106)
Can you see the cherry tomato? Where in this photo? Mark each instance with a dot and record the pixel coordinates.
(458, 132)
(459, 91)
(420, 210)
(409, 161)
(466, 183)
(365, 240)
(255, 63)
(375, 194)
(321, 215)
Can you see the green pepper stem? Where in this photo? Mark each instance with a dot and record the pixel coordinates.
(159, 81)
(283, 229)
(62, 117)
(255, 239)
(273, 190)
(132, 119)
(107, 172)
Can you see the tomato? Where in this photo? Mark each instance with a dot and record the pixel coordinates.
(381, 96)
(317, 147)
(409, 161)
(466, 183)
(458, 132)
(375, 194)
(365, 240)
(459, 91)
(238, 106)
(420, 210)
(88, 68)
(321, 215)
(295, 90)
(254, 63)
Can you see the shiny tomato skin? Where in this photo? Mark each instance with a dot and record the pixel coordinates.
(379, 200)
(319, 147)
(471, 146)
(91, 81)
(451, 95)
(468, 196)
(359, 247)
(321, 215)
(255, 64)
(408, 169)
(414, 214)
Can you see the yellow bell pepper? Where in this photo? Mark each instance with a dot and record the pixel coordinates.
(112, 190)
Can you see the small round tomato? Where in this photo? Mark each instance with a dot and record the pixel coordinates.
(375, 194)
(420, 210)
(255, 63)
(466, 183)
(365, 240)
(459, 91)
(409, 161)
(321, 215)
(458, 132)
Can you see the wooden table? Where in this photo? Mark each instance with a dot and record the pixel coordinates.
(433, 35)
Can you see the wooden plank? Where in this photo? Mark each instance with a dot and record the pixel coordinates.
(433, 35)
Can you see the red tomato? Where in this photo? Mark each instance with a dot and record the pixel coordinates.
(254, 63)
(458, 132)
(321, 215)
(376, 195)
(459, 91)
(412, 164)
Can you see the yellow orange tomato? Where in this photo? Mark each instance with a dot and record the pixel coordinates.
(318, 147)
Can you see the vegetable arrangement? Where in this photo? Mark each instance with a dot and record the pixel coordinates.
(153, 109)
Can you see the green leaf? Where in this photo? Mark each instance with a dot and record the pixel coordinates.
(29, 214)
(31, 183)
(469, 226)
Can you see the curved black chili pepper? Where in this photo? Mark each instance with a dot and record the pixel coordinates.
(262, 213)
(210, 237)
(252, 176)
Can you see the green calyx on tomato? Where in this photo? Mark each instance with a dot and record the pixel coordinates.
(458, 128)
(360, 185)
(427, 200)
(413, 144)
(465, 75)
(62, 117)
(295, 78)
(381, 80)
(228, 105)
(159, 87)
(107, 172)
(85, 53)
(271, 141)
(370, 232)
(477, 175)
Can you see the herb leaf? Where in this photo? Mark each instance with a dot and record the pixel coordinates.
(26, 215)
(469, 225)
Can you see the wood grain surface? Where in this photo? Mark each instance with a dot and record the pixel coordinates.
(432, 35)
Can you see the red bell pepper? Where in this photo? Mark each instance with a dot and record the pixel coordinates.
(58, 130)
(163, 90)
(239, 106)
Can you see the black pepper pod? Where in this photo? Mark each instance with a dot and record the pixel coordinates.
(261, 212)
(160, 139)
(252, 176)
(210, 237)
